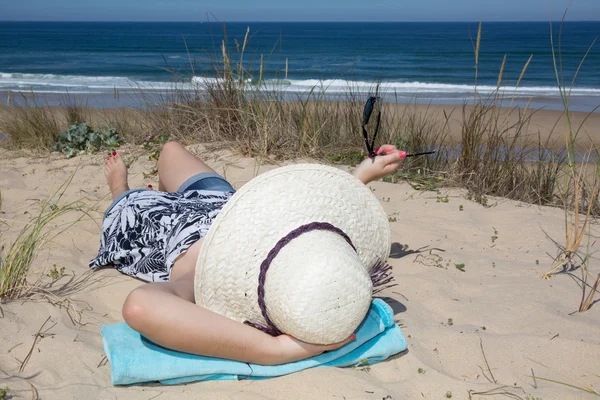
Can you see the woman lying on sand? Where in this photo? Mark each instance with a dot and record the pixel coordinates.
(156, 236)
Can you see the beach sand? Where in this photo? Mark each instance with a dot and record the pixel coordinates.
(472, 330)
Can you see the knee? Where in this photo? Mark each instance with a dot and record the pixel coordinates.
(171, 146)
(168, 149)
(134, 309)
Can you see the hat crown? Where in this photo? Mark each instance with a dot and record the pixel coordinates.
(317, 279)
(266, 210)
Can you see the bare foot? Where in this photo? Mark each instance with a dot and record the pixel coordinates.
(116, 175)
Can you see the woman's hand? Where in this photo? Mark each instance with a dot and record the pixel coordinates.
(292, 349)
(387, 161)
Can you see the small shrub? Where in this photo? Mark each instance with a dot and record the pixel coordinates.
(4, 393)
(460, 267)
(153, 145)
(82, 139)
(478, 198)
(494, 236)
(56, 273)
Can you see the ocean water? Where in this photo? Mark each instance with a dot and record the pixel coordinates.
(429, 61)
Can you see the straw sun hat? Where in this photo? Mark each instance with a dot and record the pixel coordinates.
(297, 250)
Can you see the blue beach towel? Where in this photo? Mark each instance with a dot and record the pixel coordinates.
(135, 360)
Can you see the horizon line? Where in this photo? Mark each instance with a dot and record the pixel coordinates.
(303, 22)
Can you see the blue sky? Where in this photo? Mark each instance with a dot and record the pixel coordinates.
(297, 10)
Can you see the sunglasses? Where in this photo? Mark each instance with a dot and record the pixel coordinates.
(369, 107)
(374, 103)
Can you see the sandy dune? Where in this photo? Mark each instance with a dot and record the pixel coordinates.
(499, 303)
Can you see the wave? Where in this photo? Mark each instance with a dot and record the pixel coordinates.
(407, 88)
(404, 88)
(50, 83)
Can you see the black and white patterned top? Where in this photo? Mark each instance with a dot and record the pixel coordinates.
(146, 231)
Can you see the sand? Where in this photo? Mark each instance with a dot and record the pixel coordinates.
(498, 303)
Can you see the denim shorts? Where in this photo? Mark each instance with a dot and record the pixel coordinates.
(202, 181)
(206, 181)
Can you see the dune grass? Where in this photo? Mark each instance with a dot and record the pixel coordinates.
(75, 109)
(494, 156)
(29, 124)
(577, 191)
(33, 237)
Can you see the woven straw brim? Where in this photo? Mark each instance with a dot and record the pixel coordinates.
(268, 208)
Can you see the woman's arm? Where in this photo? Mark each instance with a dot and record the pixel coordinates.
(166, 314)
(387, 161)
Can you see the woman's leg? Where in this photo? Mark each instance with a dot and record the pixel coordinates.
(176, 165)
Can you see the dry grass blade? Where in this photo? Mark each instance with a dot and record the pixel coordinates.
(102, 362)
(504, 391)
(581, 64)
(491, 378)
(34, 392)
(477, 48)
(39, 335)
(588, 300)
(523, 71)
(575, 384)
(583, 389)
(500, 76)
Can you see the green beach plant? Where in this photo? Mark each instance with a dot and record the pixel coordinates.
(82, 139)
